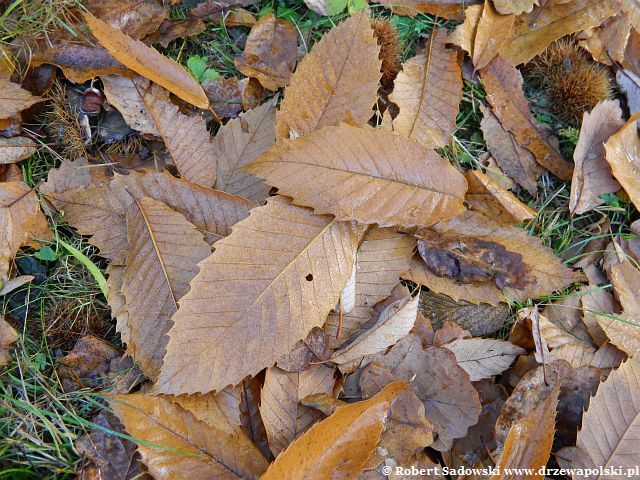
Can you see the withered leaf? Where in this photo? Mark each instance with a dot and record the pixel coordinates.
(361, 182)
(607, 42)
(336, 82)
(340, 445)
(237, 144)
(494, 28)
(503, 83)
(14, 149)
(464, 34)
(578, 355)
(174, 28)
(148, 62)
(592, 174)
(136, 18)
(87, 364)
(230, 96)
(284, 417)
(75, 174)
(551, 20)
(14, 98)
(313, 348)
(214, 10)
(270, 52)
(309, 259)
(623, 155)
(453, 9)
(125, 94)
(517, 7)
(212, 453)
(484, 357)
(164, 251)
(250, 414)
(428, 91)
(8, 336)
(219, 410)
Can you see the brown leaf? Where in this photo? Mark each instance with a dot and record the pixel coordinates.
(493, 30)
(551, 20)
(8, 336)
(13, 99)
(88, 364)
(339, 446)
(250, 418)
(361, 182)
(79, 173)
(125, 94)
(148, 62)
(483, 357)
(136, 18)
(464, 34)
(218, 410)
(313, 348)
(608, 435)
(14, 149)
(240, 142)
(452, 9)
(529, 441)
(214, 10)
(336, 82)
(607, 42)
(623, 154)
(270, 52)
(284, 417)
(503, 83)
(309, 259)
(517, 7)
(577, 355)
(595, 302)
(205, 451)
(516, 161)
(592, 174)
(230, 96)
(174, 28)
(428, 92)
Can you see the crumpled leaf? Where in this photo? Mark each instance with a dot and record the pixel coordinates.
(14, 98)
(428, 91)
(503, 83)
(339, 446)
(136, 18)
(608, 434)
(174, 28)
(125, 94)
(87, 364)
(517, 7)
(493, 29)
(237, 144)
(230, 96)
(14, 149)
(284, 417)
(592, 174)
(361, 182)
(607, 42)
(270, 52)
(148, 62)
(164, 251)
(553, 19)
(483, 357)
(8, 336)
(623, 155)
(452, 9)
(336, 82)
(309, 260)
(205, 451)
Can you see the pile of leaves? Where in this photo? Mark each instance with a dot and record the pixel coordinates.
(315, 291)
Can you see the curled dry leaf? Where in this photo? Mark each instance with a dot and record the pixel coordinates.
(493, 29)
(270, 52)
(125, 94)
(284, 417)
(623, 155)
(592, 174)
(148, 62)
(14, 99)
(452, 9)
(136, 18)
(366, 175)
(230, 96)
(14, 149)
(336, 82)
(503, 83)
(211, 452)
(428, 92)
(484, 357)
(340, 445)
(309, 260)
(8, 336)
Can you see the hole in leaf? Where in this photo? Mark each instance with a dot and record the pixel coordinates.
(309, 277)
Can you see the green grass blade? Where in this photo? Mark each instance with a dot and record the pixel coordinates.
(93, 269)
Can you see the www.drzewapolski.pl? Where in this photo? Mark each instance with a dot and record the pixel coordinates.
(618, 472)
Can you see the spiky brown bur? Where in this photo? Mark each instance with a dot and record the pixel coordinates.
(573, 82)
(390, 50)
(63, 124)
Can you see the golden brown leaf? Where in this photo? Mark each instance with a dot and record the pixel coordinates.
(484, 357)
(174, 444)
(488, 197)
(284, 417)
(148, 62)
(428, 91)
(164, 251)
(503, 83)
(339, 446)
(607, 42)
(592, 174)
(237, 144)
(517, 7)
(125, 95)
(14, 149)
(453, 9)
(270, 52)
(623, 154)
(234, 304)
(14, 98)
(219, 410)
(336, 82)
(8, 336)
(551, 20)
(493, 30)
(464, 34)
(379, 178)
(136, 18)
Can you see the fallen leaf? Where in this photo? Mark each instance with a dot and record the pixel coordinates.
(348, 296)
(503, 83)
(270, 53)
(250, 418)
(174, 28)
(464, 34)
(14, 149)
(595, 302)
(516, 161)
(607, 42)
(8, 336)
(240, 142)
(325, 7)
(219, 410)
(428, 92)
(483, 357)
(340, 445)
(577, 355)
(592, 174)
(230, 297)
(230, 96)
(623, 154)
(448, 333)
(493, 29)
(14, 99)
(284, 417)
(240, 18)
(136, 18)
(517, 7)
(87, 365)
(313, 349)
(361, 182)
(451, 9)
(148, 62)
(606, 437)
(337, 82)
(553, 19)
(125, 95)
(529, 441)
(204, 451)
(214, 10)
(78, 173)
